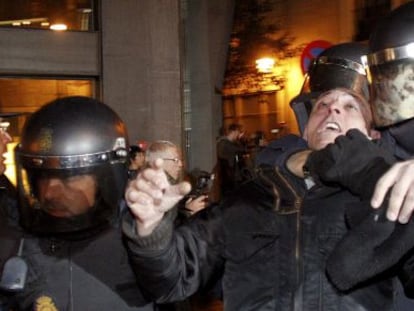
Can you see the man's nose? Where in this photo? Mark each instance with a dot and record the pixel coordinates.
(52, 188)
(334, 108)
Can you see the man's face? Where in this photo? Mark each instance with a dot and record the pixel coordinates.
(173, 163)
(67, 197)
(5, 138)
(235, 135)
(333, 114)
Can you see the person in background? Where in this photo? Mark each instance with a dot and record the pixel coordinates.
(173, 166)
(269, 242)
(60, 247)
(257, 142)
(6, 186)
(230, 162)
(8, 201)
(136, 160)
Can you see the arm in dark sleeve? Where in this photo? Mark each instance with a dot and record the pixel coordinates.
(278, 151)
(406, 274)
(173, 263)
(373, 246)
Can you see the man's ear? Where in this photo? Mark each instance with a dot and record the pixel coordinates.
(374, 134)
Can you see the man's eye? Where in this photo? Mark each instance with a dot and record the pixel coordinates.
(352, 107)
(70, 179)
(322, 105)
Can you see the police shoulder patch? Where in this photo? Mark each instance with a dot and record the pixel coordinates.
(45, 303)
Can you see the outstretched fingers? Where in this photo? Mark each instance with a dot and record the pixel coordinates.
(399, 180)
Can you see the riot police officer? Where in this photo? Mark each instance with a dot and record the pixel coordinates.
(390, 67)
(71, 172)
(338, 66)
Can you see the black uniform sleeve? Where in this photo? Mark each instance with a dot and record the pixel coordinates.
(372, 247)
(173, 263)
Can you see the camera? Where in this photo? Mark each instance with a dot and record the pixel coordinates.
(202, 182)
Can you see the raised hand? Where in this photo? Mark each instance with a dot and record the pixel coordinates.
(150, 196)
(400, 179)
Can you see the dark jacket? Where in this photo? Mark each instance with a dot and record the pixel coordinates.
(230, 164)
(269, 243)
(89, 271)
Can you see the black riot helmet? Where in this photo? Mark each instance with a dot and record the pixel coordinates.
(339, 66)
(72, 136)
(390, 66)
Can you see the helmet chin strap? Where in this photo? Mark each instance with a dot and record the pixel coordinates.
(403, 135)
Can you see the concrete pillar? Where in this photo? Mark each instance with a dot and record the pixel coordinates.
(208, 26)
(141, 74)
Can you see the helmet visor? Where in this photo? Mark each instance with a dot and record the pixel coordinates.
(329, 73)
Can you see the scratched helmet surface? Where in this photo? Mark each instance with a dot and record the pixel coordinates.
(339, 66)
(68, 137)
(390, 66)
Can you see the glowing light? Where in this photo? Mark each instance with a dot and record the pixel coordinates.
(265, 64)
(9, 162)
(59, 27)
(410, 50)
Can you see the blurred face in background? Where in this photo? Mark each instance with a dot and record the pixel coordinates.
(173, 163)
(138, 161)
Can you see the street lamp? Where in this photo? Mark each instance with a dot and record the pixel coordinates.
(265, 65)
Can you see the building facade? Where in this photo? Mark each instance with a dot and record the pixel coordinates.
(160, 64)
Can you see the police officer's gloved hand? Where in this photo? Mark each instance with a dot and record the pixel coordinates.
(370, 250)
(358, 257)
(353, 161)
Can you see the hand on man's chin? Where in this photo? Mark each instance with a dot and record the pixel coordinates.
(324, 139)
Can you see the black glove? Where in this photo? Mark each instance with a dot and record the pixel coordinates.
(353, 161)
(375, 245)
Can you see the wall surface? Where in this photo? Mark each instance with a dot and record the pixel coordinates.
(141, 74)
(208, 26)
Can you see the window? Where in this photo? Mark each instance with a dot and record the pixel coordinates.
(45, 14)
(26, 95)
